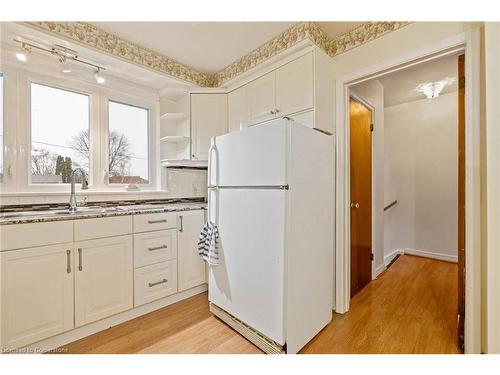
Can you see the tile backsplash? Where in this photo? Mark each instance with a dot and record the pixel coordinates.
(176, 183)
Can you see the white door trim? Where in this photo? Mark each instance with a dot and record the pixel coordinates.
(470, 43)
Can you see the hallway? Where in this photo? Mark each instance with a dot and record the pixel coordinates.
(411, 308)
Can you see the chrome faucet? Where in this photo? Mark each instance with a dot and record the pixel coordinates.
(85, 186)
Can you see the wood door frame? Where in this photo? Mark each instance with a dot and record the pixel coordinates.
(469, 43)
(372, 188)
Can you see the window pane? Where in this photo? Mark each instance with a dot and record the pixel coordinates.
(1, 127)
(128, 144)
(59, 134)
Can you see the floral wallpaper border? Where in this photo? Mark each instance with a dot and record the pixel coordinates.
(99, 39)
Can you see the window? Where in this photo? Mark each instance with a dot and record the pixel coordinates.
(128, 161)
(59, 134)
(1, 127)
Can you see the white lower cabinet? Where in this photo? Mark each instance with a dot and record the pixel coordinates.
(47, 290)
(154, 282)
(191, 268)
(103, 278)
(36, 294)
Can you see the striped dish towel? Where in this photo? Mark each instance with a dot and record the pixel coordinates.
(208, 243)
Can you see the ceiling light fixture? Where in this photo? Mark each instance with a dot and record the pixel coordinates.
(433, 89)
(99, 77)
(63, 54)
(22, 54)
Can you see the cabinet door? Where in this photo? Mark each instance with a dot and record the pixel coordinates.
(294, 86)
(237, 111)
(208, 119)
(37, 294)
(260, 99)
(191, 268)
(103, 278)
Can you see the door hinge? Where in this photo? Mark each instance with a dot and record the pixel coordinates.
(371, 127)
(372, 256)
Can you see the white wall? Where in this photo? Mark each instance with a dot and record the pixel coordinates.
(372, 92)
(421, 172)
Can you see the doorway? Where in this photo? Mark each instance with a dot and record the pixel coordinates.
(469, 44)
(360, 125)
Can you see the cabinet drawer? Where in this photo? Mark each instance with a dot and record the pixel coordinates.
(154, 247)
(157, 221)
(35, 234)
(155, 282)
(87, 229)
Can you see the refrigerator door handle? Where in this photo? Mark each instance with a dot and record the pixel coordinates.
(250, 187)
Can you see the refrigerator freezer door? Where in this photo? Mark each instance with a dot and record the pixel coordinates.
(249, 281)
(252, 156)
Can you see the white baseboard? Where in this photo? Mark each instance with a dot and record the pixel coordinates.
(89, 329)
(378, 270)
(428, 254)
(389, 257)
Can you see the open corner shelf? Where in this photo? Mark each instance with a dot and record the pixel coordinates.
(173, 116)
(175, 139)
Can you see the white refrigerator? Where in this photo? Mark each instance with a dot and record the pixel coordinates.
(271, 193)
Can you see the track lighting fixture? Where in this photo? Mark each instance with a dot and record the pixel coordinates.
(99, 77)
(22, 54)
(63, 54)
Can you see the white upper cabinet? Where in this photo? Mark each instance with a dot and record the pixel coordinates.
(237, 109)
(103, 278)
(37, 294)
(294, 86)
(191, 268)
(208, 119)
(260, 95)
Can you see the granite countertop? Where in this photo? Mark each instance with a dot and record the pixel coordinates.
(24, 217)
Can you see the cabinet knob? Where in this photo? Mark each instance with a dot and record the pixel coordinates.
(276, 110)
(272, 112)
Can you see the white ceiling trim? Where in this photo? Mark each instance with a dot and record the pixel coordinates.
(94, 37)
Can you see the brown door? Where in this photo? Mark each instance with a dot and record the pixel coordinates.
(360, 123)
(461, 200)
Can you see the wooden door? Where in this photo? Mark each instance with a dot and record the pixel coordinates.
(360, 120)
(236, 109)
(461, 200)
(191, 268)
(37, 294)
(261, 103)
(208, 119)
(294, 86)
(103, 278)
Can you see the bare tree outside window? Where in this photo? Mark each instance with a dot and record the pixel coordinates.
(119, 151)
(128, 143)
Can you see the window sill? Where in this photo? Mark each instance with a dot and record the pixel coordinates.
(83, 193)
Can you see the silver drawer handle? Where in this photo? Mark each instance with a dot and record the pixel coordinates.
(157, 221)
(80, 265)
(157, 248)
(158, 283)
(68, 261)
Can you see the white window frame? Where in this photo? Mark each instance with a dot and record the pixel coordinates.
(17, 131)
(66, 87)
(133, 102)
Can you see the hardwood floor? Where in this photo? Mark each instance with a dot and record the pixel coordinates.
(410, 308)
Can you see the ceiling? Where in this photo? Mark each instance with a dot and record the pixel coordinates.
(399, 86)
(115, 68)
(207, 46)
